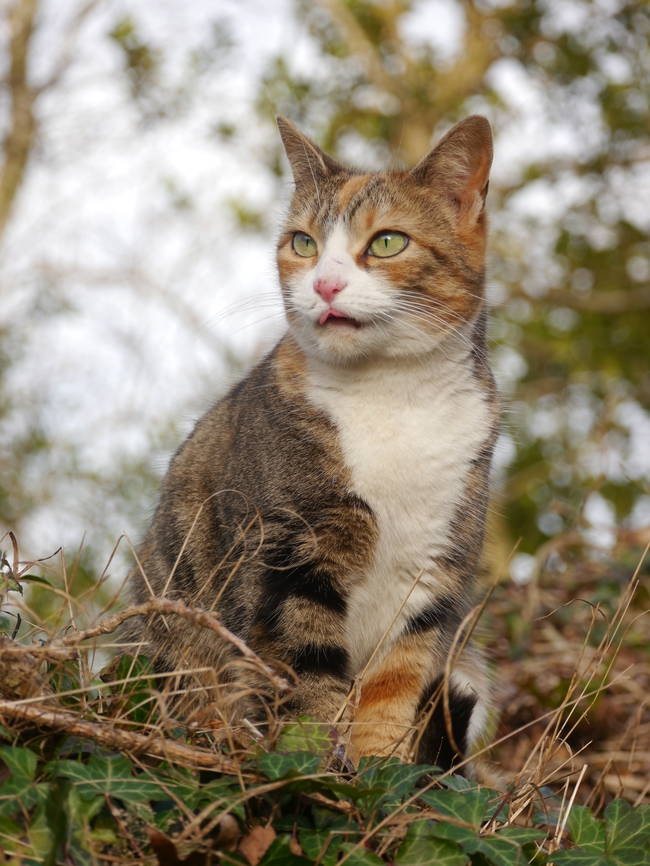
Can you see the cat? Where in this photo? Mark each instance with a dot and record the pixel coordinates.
(330, 508)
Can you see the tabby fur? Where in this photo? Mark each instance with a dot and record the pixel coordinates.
(330, 508)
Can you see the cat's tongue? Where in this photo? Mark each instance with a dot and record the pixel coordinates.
(333, 314)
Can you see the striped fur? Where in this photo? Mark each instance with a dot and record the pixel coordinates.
(331, 507)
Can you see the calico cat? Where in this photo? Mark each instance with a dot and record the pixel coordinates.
(330, 509)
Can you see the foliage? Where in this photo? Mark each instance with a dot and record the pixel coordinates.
(102, 770)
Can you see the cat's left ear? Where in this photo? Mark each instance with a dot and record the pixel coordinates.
(459, 166)
(309, 163)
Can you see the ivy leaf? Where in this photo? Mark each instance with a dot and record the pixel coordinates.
(462, 835)
(361, 857)
(586, 831)
(520, 835)
(388, 780)
(468, 807)
(500, 852)
(137, 692)
(279, 854)
(421, 848)
(313, 843)
(307, 735)
(179, 784)
(627, 833)
(459, 783)
(276, 766)
(10, 834)
(20, 789)
(40, 835)
(109, 776)
(577, 857)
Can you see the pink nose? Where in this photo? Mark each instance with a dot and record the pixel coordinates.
(327, 288)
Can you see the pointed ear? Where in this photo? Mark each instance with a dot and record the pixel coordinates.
(308, 162)
(459, 166)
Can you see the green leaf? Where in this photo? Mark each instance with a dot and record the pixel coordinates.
(227, 792)
(361, 857)
(112, 776)
(56, 814)
(21, 762)
(422, 848)
(459, 783)
(276, 766)
(10, 833)
(40, 834)
(462, 835)
(8, 584)
(279, 854)
(586, 831)
(496, 805)
(469, 807)
(313, 843)
(20, 791)
(520, 835)
(138, 691)
(82, 811)
(501, 852)
(388, 780)
(306, 735)
(577, 857)
(179, 784)
(33, 578)
(627, 833)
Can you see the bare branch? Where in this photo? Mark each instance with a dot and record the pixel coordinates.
(20, 136)
(167, 606)
(65, 56)
(114, 738)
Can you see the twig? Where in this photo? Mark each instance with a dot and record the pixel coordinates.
(116, 739)
(167, 606)
(565, 817)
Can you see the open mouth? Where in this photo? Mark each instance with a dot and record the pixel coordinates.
(337, 319)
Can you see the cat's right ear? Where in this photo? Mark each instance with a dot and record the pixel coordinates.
(310, 165)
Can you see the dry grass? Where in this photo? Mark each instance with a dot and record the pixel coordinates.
(570, 649)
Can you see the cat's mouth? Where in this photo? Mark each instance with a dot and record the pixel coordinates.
(337, 319)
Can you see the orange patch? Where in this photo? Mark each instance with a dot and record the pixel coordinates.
(390, 686)
(291, 366)
(349, 189)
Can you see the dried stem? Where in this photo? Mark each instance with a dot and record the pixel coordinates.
(196, 616)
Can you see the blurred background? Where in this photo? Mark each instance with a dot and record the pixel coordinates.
(141, 187)
(141, 184)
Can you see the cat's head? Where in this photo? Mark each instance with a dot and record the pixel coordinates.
(386, 263)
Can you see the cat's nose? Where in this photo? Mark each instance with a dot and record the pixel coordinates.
(327, 288)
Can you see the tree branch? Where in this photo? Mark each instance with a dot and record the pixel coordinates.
(167, 606)
(20, 137)
(116, 739)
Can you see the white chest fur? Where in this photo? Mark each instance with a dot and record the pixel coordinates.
(409, 432)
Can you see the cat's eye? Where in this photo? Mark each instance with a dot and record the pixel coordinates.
(388, 244)
(304, 245)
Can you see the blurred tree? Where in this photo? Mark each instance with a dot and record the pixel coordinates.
(22, 437)
(570, 253)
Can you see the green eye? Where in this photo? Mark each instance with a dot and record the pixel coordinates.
(304, 245)
(388, 244)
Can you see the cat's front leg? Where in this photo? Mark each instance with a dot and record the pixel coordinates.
(304, 630)
(404, 686)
